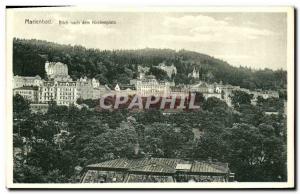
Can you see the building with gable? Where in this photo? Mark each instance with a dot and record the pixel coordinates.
(170, 70)
(149, 86)
(28, 92)
(20, 81)
(194, 74)
(56, 70)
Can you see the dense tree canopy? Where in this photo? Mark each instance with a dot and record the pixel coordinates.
(64, 139)
(240, 98)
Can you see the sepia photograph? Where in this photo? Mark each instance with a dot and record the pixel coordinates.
(150, 97)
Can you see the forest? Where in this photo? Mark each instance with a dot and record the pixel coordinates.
(120, 66)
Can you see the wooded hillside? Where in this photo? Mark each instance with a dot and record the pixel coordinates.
(119, 66)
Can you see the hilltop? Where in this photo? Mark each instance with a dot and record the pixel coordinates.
(119, 66)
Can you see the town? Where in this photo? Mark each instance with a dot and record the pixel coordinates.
(58, 87)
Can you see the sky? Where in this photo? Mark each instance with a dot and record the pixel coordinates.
(252, 39)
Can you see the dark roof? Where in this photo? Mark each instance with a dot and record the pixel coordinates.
(153, 168)
(160, 165)
(127, 86)
(117, 163)
(209, 167)
(27, 88)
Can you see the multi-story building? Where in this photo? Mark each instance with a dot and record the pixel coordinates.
(180, 91)
(62, 92)
(152, 87)
(170, 70)
(207, 90)
(47, 92)
(84, 88)
(28, 92)
(201, 87)
(95, 83)
(133, 81)
(56, 70)
(97, 93)
(66, 93)
(89, 88)
(223, 92)
(264, 94)
(100, 91)
(59, 87)
(20, 81)
(269, 94)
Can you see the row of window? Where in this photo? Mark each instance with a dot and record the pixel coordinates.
(67, 93)
(50, 95)
(67, 98)
(24, 92)
(64, 103)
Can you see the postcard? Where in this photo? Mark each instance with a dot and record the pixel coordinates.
(150, 97)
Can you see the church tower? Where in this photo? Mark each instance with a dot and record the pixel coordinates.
(195, 73)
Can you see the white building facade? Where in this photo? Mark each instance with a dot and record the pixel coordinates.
(152, 87)
(170, 70)
(20, 81)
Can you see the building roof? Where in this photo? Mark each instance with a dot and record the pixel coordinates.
(117, 163)
(27, 88)
(183, 166)
(153, 168)
(199, 85)
(209, 167)
(27, 77)
(52, 64)
(128, 86)
(161, 165)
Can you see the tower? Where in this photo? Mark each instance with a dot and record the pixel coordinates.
(195, 74)
(47, 67)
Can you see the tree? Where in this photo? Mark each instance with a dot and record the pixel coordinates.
(158, 73)
(111, 144)
(254, 153)
(212, 103)
(239, 97)
(20, 105)
(210, 146)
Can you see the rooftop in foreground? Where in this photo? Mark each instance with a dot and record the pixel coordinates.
(155, 170)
